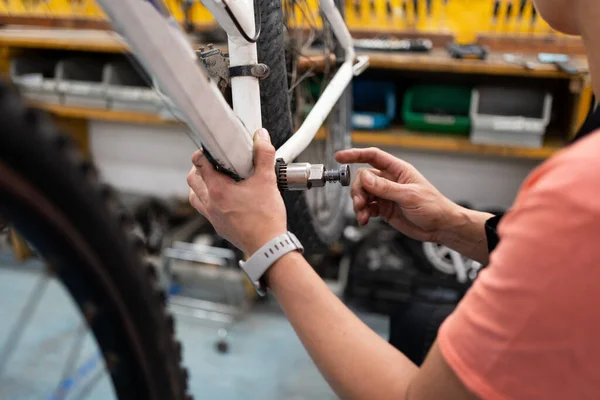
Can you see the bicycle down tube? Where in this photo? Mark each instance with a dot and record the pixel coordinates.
(165, 52)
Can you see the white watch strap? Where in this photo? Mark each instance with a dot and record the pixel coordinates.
(256, 266)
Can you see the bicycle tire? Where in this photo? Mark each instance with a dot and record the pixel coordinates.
(52, 196)
(316, 236)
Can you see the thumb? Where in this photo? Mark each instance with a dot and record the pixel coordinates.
(264, 153)
(380, 187)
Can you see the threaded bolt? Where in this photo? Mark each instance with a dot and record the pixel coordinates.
(341, 175)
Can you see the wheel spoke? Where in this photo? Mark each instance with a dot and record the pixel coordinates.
(62, 391)
(23, 320)
(89, 386)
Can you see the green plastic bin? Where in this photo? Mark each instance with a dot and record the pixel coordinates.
(436, 108)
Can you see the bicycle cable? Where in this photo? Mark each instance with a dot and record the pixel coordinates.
(257, 22)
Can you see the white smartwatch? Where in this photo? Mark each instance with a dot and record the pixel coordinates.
(256, 266)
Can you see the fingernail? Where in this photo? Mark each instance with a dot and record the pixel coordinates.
(355, 199)
(369, 178)
(264, 135)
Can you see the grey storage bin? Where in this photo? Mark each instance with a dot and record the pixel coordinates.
(36, 77)
(128, 90)
(509, 116)
(80, 82)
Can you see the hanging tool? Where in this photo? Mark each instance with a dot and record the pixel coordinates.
(533, 20)
(521, 13)
(188, 24)
(405, 11)
(444, 13)
(520, 61)
(495, 14)
(415, 11)
(388, 9)
(429, 7)
(508, 15)
(357, 8)
(561, 61)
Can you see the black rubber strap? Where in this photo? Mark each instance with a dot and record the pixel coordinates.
(491, 232)
(240, 70)
(220, 168)
(591, 123)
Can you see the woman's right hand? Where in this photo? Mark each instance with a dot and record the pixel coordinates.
(395, 191)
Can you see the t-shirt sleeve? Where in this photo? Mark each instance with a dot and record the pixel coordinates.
(529, 326)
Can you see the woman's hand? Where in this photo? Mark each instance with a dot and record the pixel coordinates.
(395, 191)
(247, 213)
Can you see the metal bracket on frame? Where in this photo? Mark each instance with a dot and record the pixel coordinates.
(260, 71)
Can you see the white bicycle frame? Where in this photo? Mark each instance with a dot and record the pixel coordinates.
(163, 49)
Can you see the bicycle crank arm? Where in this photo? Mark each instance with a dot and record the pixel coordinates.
(303, 176)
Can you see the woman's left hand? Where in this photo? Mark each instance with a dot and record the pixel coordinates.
(248, 213)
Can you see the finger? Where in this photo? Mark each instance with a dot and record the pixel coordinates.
(362, 217)
(358, 205)
(356, 188)
(198, 204)
(373, 209)
(264, 154)
(375, 157)
(197, 184)
(359, 195)
(357, 191)
(382, 187)
(196, 157)
(209, 174)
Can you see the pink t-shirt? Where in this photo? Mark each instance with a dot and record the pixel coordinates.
(529, 328)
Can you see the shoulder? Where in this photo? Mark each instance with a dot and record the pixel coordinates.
(558, 206)
(531, 306)
(571, 176)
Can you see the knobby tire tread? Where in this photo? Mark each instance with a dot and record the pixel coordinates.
(31, 147)
(277, 116)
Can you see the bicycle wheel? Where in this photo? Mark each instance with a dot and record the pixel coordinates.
(51, 195)
(316, 216)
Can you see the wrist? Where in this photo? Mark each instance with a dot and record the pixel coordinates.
(463, 226)
(255, 242)
(278, 270)
(259, 263)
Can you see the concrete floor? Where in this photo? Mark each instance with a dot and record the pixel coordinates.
(266, 360)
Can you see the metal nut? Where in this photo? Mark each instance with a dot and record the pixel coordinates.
(260, 71)
(316, 176)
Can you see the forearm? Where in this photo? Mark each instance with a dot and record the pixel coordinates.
(465, 233)
(357, 363)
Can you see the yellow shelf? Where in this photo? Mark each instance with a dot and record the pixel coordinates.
(398, 137)
(63, 39)
(104, 115)
(440, 61)
(395, 137)
(436, 61)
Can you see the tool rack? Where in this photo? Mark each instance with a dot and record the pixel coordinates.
(503, 28)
